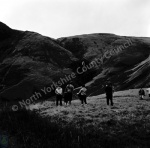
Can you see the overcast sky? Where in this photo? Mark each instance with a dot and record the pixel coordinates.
(59, 18)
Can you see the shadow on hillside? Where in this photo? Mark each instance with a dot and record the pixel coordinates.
(29, 129)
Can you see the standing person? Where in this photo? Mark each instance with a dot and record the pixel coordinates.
(141, 93)
(82, 94)
(59, 95)
(69, 90)
(109, 93)
(148, 91)
(66, 98)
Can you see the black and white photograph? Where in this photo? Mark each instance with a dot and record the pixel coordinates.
(74, 73)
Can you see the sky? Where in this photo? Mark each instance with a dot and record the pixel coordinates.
(62, 18)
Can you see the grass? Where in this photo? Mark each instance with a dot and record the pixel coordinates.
(125, 128)
(32, 131)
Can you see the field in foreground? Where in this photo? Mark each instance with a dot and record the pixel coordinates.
(126, 124)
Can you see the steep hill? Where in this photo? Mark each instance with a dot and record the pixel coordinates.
(30, 60)
(123, 60)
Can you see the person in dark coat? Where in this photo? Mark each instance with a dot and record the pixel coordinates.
(109, 93)
(141, 93)
(68, 93)
(66, 100)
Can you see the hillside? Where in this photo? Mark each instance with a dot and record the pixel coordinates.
(123, 60)
(126, 103)
(125, 125)
(30, 62)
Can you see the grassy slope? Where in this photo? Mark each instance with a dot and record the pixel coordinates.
(96, 111)
(124, 125)
(95, 125)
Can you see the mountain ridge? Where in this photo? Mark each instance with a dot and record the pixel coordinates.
(38, 61)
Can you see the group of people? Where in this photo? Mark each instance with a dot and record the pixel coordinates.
(109, 93)
(68, 93)
(142, 93)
